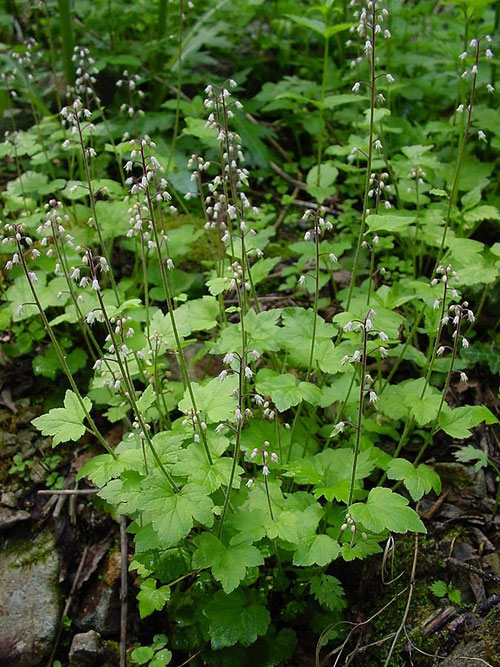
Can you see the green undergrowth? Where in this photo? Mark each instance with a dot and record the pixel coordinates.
(260, 240)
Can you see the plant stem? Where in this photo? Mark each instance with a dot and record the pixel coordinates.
(360, 416)
(368, 163)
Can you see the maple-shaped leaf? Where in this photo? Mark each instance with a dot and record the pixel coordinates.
(228, 563)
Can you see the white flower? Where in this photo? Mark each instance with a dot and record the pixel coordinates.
(490, 88)
(301, 280)
(383, 337)
(378, 144)
(254, 453)
(436, 303)
(248, 372)
(489, 54)
(229, 358)
(265, 471)
(440, 351)
(463, 377)
(390, 78)
(373, 397)
(95, 285)
(222, 375)
(332, 257)
(338, 428)
(465, 342)
(348, 327)
(356, 87)
(481, 135)
(274, 457)
(250, 483)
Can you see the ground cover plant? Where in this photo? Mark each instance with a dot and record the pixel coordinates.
(260, 242)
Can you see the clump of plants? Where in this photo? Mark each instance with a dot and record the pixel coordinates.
(308, 442)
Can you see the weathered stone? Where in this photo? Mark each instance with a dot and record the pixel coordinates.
(29, 600)
(10, 517)
(88, 649)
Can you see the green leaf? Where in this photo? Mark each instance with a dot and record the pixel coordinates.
(422, 408)
(151, 598)
(418, 481)
(234, 618)
(389, 223)
(469, 453)
(195, 466)
(439, 588)
(161, 658)
(328, 592)
(100, 469)
(385, 510)
(215, 399)
(318, 550)
(480, 213)
(228, 563)
(64, 423)
(327, 176)
(284, 389)
(142, 654)
(146, 400)
(312, 24)
(262, 333)
(173, 514)
(459, 421)
(455, 596)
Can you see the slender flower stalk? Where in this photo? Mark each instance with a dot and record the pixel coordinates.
(31, 277)
(369, 27)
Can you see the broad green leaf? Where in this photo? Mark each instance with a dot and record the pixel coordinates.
(312, 24)
(389, 223)
(215, 399)
(233, 618)
(422, 408)
(195, 466)
(320, 550)
(321, 188)
(385, 510)
(459, 421)
(100, 469)
(284, 389)
(228, 563)
(261, 329)
(295, 335)
(151, 598)
(65, 423)
(173, 514)
(418, 480)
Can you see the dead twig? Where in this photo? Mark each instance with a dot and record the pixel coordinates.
(286, 177)
(407, 606)
(65, 492)
(475, 570)
(67, 606)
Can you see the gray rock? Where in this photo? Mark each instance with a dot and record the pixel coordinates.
(88, 649)
(100, 602)
(10, 517)
(29, 600)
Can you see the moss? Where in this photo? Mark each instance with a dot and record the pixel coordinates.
(430, 566)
